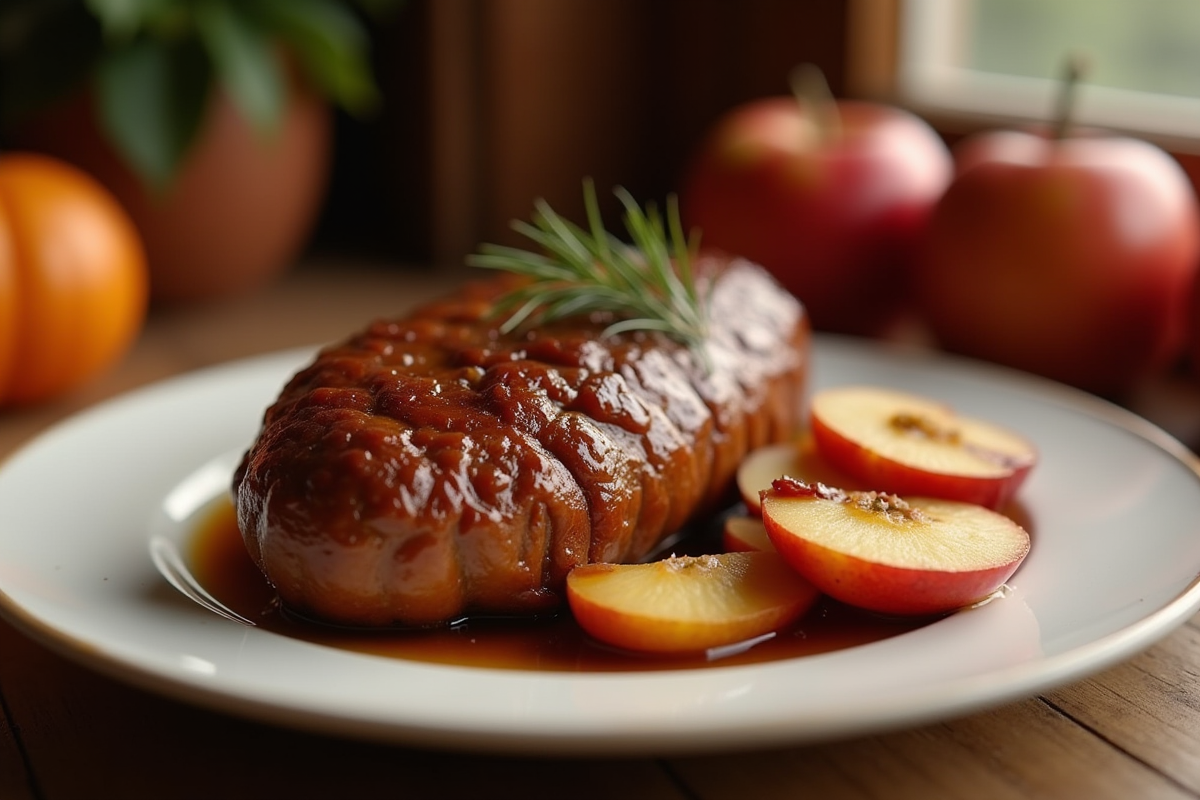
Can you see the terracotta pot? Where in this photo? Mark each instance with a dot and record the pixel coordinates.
(241, 208)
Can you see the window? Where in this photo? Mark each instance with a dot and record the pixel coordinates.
(1005, 58)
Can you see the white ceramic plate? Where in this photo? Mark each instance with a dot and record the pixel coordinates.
(1115, 505)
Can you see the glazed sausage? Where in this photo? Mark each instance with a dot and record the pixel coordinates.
(430, 467)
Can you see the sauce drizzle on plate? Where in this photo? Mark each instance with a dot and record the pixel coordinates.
(219, 563)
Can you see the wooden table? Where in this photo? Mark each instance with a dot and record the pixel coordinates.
(67, 732)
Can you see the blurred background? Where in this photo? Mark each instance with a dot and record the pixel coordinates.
(249, 137)
(484, 105)
(489, 104)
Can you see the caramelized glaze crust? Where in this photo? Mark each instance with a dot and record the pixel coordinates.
(430, 467)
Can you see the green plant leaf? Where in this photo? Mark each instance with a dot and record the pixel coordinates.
(152, 97)
(246, 62)
(331, 45)
(123, 19)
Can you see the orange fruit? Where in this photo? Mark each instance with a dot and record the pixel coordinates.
(73, 278)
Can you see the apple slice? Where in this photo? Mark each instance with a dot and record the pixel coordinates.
(798, 459)
(742, 534)
(906, 444)
(879, 552)
(687, 604)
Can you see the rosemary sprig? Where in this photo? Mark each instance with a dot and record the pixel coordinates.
(646, 285)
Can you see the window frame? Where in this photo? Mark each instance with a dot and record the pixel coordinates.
(893, 56)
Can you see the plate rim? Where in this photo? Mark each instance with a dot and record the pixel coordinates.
(1023, 680)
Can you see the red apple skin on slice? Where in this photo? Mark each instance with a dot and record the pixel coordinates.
(909, 445)
(688, 604)
(741, 534)
(799, 459)
(925, 556)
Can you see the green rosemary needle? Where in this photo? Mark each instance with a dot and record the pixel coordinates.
(647, 284)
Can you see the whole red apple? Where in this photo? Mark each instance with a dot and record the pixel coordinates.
(1192, 354)
(1191, 166)
(1070, 257)
(832, 200)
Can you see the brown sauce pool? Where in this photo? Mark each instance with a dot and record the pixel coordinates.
(219, 562)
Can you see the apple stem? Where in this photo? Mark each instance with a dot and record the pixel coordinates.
(1068, 95)
(811, 90)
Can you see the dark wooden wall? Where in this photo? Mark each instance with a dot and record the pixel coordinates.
(490, 104)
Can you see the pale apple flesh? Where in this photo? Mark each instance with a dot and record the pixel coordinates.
(798, 459)
(903, 443)
(745, 533)
(875, 551)
(688, 604)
